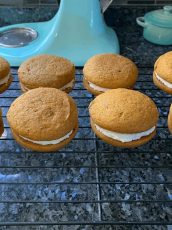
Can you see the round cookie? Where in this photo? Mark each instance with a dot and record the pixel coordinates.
(47, 71)
(43, 119)
(1, 124)
(5, 75)
(124, 117)
(170, 120)
(109, 71)
(162, 75)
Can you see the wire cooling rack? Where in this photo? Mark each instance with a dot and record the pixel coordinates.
(89, 184)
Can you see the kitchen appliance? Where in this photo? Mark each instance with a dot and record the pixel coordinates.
(77, 32)
(157, 26)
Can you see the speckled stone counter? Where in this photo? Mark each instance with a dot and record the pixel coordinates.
(90, 181)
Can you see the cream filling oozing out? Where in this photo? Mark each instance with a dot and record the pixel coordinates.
(97, 88)
(53, 142)
(166, 83)
(69, 85)
(5, 79)
(124, 137)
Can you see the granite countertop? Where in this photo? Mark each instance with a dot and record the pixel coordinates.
(30, 183)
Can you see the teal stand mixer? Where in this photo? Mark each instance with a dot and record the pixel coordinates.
(76, 32)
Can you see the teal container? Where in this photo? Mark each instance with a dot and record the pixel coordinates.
(77, 32)
(157, 26)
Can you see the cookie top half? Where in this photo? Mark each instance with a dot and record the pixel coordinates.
(43, 114)
(46, 71)
(111, 71)
(124, 111)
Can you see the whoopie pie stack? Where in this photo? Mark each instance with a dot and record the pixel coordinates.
(45, 118)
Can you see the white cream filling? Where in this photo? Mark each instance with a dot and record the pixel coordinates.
(53, 142)
(166, 83)
(5, 79)
(124, 137)
(69, 85)
(98, 88)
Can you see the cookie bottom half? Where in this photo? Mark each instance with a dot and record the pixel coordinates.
(161, 86)
(5, 86)
(41, 148)
(170, 123)
(131, 144)
(1, 129)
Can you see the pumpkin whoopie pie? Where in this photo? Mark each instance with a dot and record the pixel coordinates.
(43, 119)
(109, 71)
(1, 124)
(124, 118)
(162, 75)
(5, 75)
(170, 120)
(47, 71)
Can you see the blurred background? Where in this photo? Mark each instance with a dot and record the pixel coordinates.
(32, 3)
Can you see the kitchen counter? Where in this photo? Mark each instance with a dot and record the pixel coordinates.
(89, 180)
(122, 19)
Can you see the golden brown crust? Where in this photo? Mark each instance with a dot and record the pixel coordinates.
(43, 114)
(4, 68)
(111, 71)
(91, 90)
(124, 111)
(68, 90)
(5, 86)
(132, 144)
(170, 120)
(41, 148)
(46, 71)
(163, 66)
(1, 124)
(160, 85)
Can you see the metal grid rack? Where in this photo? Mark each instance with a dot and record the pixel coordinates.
(89, 183)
